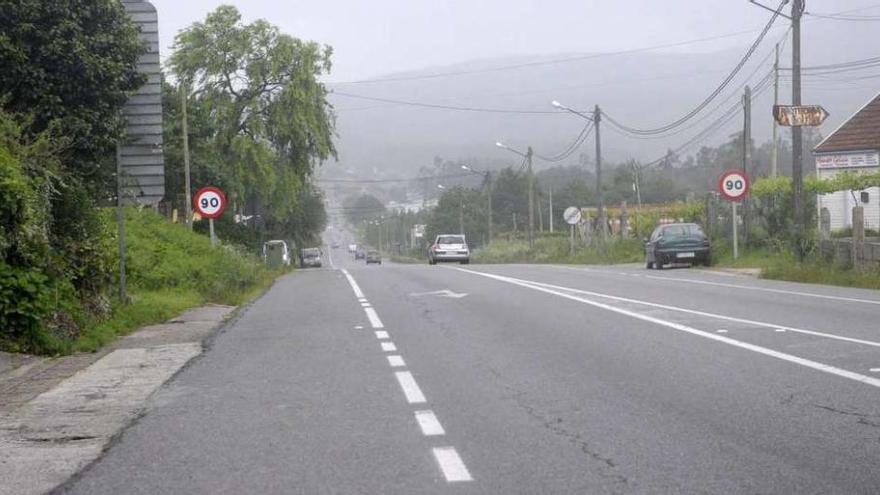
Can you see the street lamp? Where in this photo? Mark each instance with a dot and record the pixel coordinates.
(488, 178)
(596, 119)
(528, 156)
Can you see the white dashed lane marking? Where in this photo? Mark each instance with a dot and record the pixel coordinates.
(374, 318)
(389, 347)
(410, 388)
(382, 335)
(451, 464)
(429, 424)
(396, 361)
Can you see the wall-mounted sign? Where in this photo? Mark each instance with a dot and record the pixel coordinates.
(857, 160)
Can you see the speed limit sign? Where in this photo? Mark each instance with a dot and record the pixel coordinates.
(209, 202)
(734, 185)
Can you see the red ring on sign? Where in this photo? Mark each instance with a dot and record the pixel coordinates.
(198, 208)
(746, 185)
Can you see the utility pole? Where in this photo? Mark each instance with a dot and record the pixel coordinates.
(597, 119)
(120, 221)
(489, 200)
(540, 215)
(551, 209)
(775, 157)
(186, 174)
(529, 154)
(797, 163)
(460, 213)
(747, 157)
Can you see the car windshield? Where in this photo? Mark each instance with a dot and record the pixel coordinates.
(451, 239)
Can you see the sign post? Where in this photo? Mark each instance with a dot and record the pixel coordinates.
(734, 187)
(572, 216)
(210, 203)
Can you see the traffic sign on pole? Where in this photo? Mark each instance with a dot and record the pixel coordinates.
(799, 115)
(572, 215)
(209, 202)
(734, 185)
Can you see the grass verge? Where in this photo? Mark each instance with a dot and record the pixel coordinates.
(557, 250)
(813, 270)
(170, 270)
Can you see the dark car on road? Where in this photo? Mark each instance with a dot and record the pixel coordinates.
(360, 254)
(677, 243)
(374, 257)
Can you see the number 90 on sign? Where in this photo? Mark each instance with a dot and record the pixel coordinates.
(210, 202)
(733, 185)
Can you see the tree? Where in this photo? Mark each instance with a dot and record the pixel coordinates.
(510, 196)
(68, 68)
(259, 120)
(362, 208)
(272, 122)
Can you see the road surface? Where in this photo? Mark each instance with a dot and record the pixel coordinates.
(410, 379)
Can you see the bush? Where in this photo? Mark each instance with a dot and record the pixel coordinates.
(25, 302)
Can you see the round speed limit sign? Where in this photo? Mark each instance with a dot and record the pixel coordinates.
(734, 185)
(209, 202)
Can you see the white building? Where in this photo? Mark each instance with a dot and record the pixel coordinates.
(854, 147)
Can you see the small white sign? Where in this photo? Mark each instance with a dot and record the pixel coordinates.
(572, 215)
(860, 160)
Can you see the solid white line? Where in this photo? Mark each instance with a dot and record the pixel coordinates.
(374, 318)
(366, 305)
(429, 424)
(396, 361)
(698, 313)
(389, 347)
(766, 289)
(362, 299)
(381, 334)
(451, 464)
(732, 286)
(354, 286)
(410, 388)
(684, 328)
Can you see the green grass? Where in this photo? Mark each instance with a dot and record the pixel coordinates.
(170, 270)
(556, 249)
(785, 266)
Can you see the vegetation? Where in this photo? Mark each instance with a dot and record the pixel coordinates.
(556, 249)
(259, 124)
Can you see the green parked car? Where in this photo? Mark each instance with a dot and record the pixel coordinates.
(677, 243)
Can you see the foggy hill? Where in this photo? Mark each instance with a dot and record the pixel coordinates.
(639, 89)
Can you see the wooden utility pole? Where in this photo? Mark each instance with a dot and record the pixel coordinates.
(797, 159)
(597, 119)
(747, 158)
(529, 154)
(773, 159)
(184, 124)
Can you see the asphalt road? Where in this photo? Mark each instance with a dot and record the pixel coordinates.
(519, 379)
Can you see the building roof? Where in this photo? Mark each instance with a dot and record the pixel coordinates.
(860, 133)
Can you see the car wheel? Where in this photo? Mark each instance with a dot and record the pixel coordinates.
(649, 265)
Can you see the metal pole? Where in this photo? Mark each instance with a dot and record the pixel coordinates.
(775, 157)
(551, 209)
(797, 176)
(186, 170)
(213, 234)
(735, 236)
(571, 241)
(531, 200)
(747, 157)
(597, 120)
(120, 223)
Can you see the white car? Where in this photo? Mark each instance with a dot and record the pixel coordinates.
(449, 247)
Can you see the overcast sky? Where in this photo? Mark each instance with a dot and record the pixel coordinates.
(376, 37)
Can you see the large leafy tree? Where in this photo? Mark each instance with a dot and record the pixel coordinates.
(270, 123)
(68, 67)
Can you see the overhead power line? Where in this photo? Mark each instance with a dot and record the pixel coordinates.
(446, 107)
(712, 96)
(382, 181)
